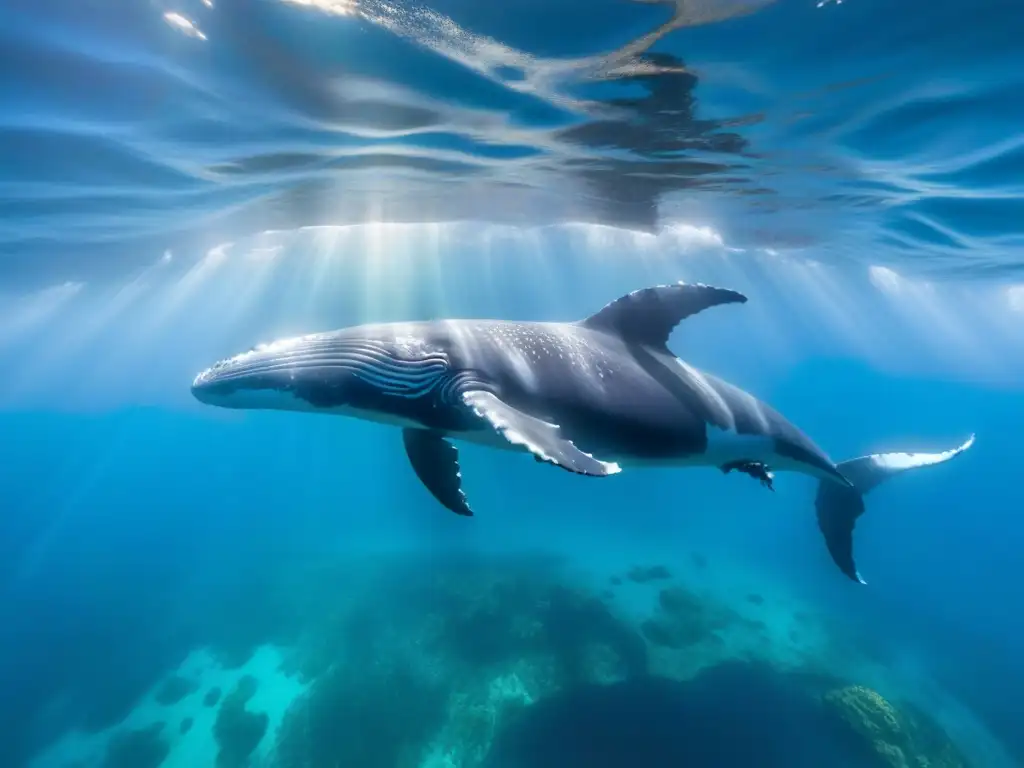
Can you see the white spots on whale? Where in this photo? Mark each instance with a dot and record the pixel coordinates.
(277, 347)
(530, 348)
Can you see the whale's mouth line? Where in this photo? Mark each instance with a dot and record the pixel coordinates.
(304, 366)
(404, 369)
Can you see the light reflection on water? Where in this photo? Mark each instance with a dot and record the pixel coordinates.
(855, 131)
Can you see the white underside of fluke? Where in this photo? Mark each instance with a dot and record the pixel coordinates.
(900, 461)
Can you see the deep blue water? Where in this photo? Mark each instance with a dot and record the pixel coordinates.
(179, 181)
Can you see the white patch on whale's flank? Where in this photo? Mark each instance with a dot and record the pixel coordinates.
(899, 461)
(522, 367)
(755, 407)
(710, 395)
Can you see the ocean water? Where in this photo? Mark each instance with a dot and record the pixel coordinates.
(194, 587)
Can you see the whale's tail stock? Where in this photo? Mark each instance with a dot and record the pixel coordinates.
(838, 506)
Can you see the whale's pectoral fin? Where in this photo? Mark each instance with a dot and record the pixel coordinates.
(839, 506)
(540, 438)
(436, 463)
(647, 316)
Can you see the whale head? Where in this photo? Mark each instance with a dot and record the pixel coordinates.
(370, 372)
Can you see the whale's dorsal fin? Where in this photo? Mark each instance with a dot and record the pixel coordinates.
(647, 316)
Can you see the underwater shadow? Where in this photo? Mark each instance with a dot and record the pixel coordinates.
(736, 714)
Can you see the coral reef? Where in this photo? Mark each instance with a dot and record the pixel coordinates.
(514, 639)
(903, 737)
(238, 730)
(459, 649)
(141, 748)
(185, 726)
(376, 715)
(430, 662)
(732, 714)
(174, 689)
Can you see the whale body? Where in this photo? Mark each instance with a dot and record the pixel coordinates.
(593, 397)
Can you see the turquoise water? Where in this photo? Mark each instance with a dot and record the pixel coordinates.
(181, 181)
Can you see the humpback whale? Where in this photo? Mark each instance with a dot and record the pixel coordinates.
(592, 396)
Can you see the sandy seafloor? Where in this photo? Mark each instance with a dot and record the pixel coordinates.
(763, 624)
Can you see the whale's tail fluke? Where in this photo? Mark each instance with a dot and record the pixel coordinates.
(839, 506)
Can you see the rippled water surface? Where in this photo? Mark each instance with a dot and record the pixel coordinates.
(183, 179)
(866, 130)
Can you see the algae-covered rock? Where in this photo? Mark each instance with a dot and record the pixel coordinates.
(367, 715)
(901, 737)
(872, 717)
(477, 712)
(934, 748)
(457, 650)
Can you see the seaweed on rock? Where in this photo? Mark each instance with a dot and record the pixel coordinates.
(900, 737)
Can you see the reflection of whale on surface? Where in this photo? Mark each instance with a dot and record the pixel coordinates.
(590, 397)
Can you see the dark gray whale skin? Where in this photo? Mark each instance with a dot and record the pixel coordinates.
(591, 397)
